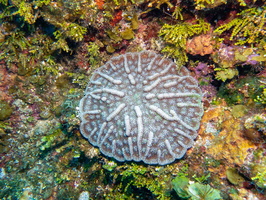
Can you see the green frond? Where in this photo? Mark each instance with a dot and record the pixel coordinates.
(25, 10)
(177, 13)
(248, 28)
(202, 4)
(74, 31)
(176, 37)
(4, 2)
(94, 53)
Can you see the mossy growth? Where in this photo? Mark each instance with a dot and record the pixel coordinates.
(120, 2)
(228, 58)
(94, 53)
(140, 177)
(5, 110)
(50, 139)
(202, 4)
(116, 36)
(31, 11)
(247, 28)
(242, 91)
(260, 176)
(4, 2)
(33, 32)
(176, 37)
(110, 166)
(31, 54)
(224, 74)
(27, 10)
(135, 181)
(261, 98)
(71, 30)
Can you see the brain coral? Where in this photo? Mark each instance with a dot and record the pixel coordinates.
(139, 107)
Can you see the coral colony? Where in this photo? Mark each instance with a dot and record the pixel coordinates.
(139, 107)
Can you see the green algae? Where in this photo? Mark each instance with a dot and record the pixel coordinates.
(260, 176)
(114, 35)
(110, 49)
(180, 185)
(239, 111)
(176, 36)
(5, 110)
(234, 177)
(51, 139)
(4, 143)
(249, 27)
(94, 53)
(243, 90)
(194, 191)
(199, 191)
(134, 22)
(225, 73)
(110, 166)
(205, 4)
(202, 179)
(45, 113)
(127, 34)
(63, 82)
(261, 98)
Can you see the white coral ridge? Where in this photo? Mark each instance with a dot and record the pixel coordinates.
(139, 107)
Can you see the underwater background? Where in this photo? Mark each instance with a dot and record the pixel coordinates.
(48, 52)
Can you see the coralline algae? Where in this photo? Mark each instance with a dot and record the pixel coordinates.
(139, 107)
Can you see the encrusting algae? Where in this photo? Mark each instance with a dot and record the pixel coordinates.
(231, 145)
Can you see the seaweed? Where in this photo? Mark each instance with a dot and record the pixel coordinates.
(247, 28)
(203, 4)
(261, 98)
(176, 37)
(194, 191)
(138, 176)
